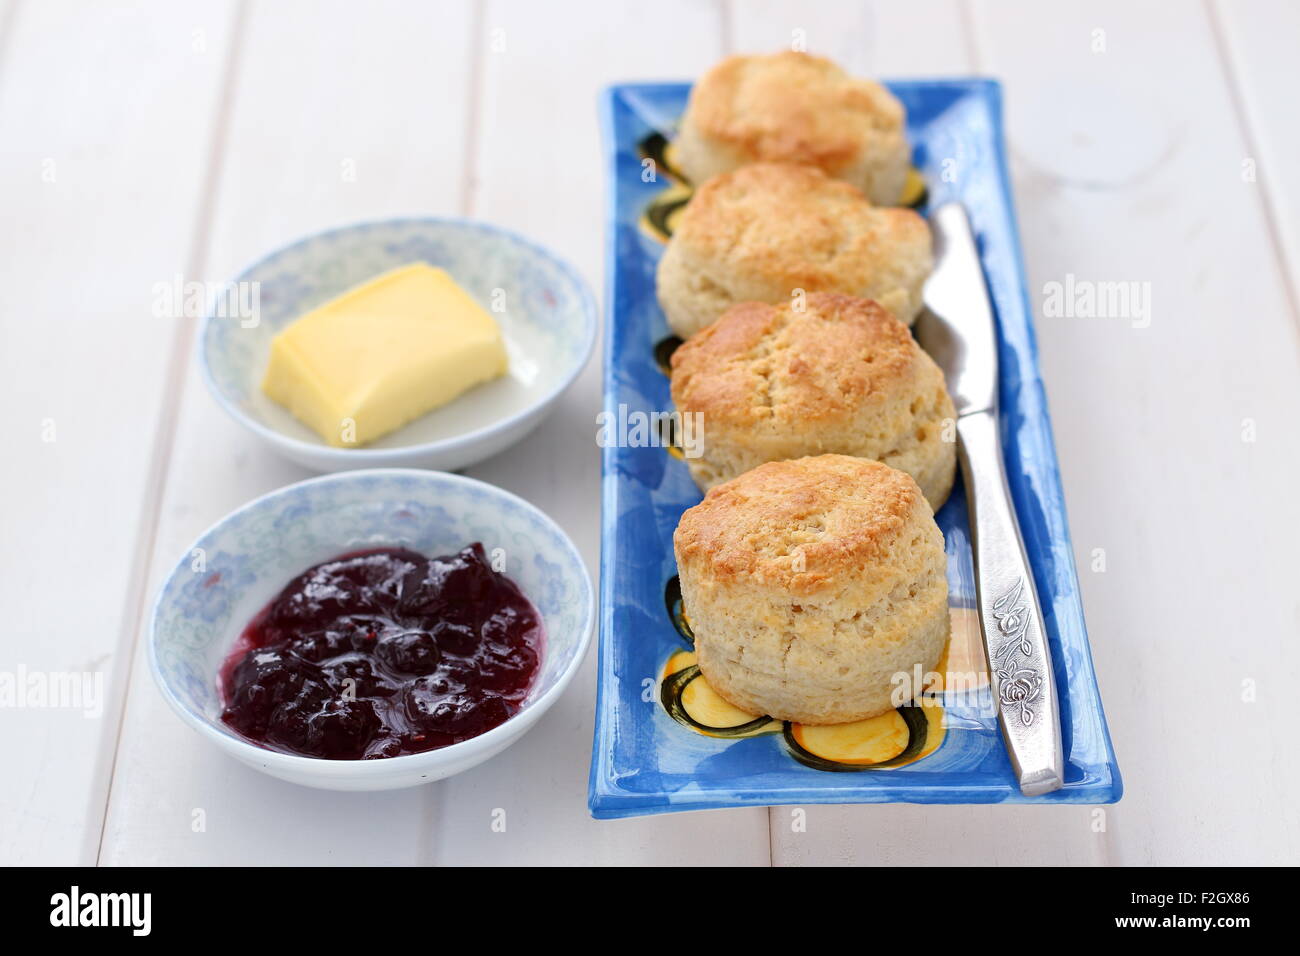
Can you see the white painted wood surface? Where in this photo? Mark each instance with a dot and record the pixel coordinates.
(106, 120)
(156, 139)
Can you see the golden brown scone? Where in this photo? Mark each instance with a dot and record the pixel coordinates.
(843, 375)
(810, 584)
(764, 232)
(795, 108)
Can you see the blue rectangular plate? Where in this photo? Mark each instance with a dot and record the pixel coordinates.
(643, 761)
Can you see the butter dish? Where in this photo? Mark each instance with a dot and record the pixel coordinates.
(544, 310)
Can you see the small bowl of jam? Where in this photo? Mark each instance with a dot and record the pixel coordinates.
(372, 629)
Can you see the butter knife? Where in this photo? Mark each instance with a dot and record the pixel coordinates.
(957, 329)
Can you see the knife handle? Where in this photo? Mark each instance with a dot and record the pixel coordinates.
(1020, 663)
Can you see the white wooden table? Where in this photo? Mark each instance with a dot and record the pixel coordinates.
(139, 142)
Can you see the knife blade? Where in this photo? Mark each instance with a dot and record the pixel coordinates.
(957, 329)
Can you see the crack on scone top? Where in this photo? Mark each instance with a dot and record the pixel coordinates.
(761, 360)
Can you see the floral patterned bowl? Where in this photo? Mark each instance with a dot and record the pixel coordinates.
(237, 566)
(546, 313)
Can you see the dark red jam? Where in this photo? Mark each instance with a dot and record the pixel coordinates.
(383, 653)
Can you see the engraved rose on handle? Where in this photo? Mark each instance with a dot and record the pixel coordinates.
(1017, 689)
(1013, 620)
(1020, 683)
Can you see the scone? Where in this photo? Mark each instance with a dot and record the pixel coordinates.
(768, 232)
(772, 382)
(810, 584)
(795, 108)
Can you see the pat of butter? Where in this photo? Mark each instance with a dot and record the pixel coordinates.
(383, 353)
